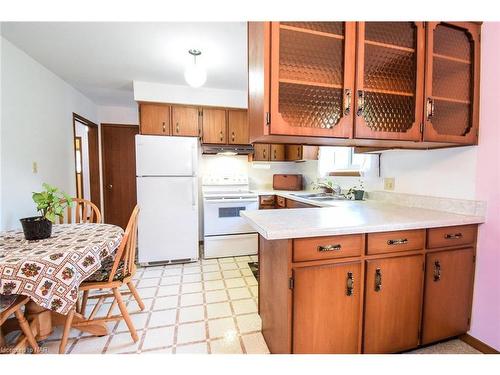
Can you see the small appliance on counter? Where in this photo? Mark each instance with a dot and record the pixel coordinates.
(287, 182)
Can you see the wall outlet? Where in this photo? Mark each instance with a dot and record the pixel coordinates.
(389, 183)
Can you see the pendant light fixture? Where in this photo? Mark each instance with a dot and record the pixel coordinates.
(195, 74)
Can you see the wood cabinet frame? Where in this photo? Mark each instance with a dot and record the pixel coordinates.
(343, 129)
(361, 130)
(430, 134)
(276, 256)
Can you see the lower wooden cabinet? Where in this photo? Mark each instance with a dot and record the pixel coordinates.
(393, 298)
(290, 203)
(448, 294)
(361, 303)
(326, 308)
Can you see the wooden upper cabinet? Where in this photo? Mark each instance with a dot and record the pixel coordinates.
(277, 153)
(326, 309)
(312, 78)
(185, 121)
(155, 119)
(214, 126)
(452, 82)
(448, 294)
(389, 80)
(237, 122)
(393, 298)
(261, 152)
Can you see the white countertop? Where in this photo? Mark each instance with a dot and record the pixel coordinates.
(346, 217)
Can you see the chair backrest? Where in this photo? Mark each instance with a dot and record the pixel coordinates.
(128, 247)
(83, 211)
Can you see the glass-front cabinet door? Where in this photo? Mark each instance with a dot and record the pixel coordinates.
(312, 78)
(452, 82)
(389, 80)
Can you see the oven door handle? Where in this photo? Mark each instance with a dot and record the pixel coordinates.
(230, 200)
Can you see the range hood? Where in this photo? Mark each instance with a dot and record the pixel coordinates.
(228, 149)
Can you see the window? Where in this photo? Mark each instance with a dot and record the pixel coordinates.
(342, 161)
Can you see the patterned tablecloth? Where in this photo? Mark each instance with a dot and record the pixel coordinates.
(49, 271)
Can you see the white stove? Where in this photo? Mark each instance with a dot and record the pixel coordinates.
(226, 232)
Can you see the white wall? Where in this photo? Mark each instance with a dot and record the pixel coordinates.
(447, 173)
(37, 125)
(118, 115)
(163, 93)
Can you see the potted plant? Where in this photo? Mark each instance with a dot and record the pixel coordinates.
(357, 192)
(50, 203)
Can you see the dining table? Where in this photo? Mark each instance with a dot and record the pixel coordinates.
(49, 272)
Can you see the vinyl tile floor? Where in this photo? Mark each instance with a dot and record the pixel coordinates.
(209, 306)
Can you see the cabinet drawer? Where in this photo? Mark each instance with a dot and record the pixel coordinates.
(391, 242)
(267, 201)
(451, 236)
(330, 247)
(280, 202)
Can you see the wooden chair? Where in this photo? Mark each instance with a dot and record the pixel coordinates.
(83, 211)
(12, 305)
(112, 275)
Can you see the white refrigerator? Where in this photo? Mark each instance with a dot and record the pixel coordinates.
(167, 194)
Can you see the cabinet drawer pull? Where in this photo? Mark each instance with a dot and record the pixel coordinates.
(453, 236)
(437, 270)
(221, 136)
(399, 241)
(347, 101)
(361, 103)
(274, 154)
(335, 247)
(378, 280)
(163, 127)
(430, 108)
(350, 284)
(232, 136)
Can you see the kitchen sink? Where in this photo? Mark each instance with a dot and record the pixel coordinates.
(321, 197)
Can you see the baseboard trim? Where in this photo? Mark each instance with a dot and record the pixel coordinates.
(478, 344)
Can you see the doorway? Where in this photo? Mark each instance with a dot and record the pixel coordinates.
(86, 148)
(118, 167)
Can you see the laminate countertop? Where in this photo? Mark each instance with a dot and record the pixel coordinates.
(347, 217)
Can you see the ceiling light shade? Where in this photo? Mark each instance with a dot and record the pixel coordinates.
(195, 75)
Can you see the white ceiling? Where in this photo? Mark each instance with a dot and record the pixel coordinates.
(101, 59)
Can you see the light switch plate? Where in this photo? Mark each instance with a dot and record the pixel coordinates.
(389, 183)
(34, 167)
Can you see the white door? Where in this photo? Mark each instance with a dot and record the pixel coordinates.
(168, 221)
(166, 156)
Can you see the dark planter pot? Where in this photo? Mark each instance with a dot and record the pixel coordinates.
(358, 195)
(36, 228)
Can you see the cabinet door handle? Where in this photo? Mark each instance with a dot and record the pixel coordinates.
(429, 108)
(453, 236)
(399, 241)
(361, 103)
(221, 136)
(232, 136)
(274, 154)
(437, 270)
(347, 101)
(335, 247)
(263, 153)
(378, 280)
(298, 151)
(350, 284)
(163, 127)
(177, 127)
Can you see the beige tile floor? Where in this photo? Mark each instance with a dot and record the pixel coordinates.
(208, 306)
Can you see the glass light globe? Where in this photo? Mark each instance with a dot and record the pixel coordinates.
(195, 75)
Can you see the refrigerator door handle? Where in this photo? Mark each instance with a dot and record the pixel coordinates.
(193, 197)
(193, 160)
